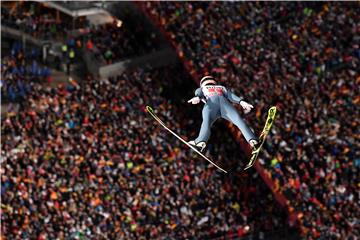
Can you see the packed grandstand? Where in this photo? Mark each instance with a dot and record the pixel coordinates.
(81, 158)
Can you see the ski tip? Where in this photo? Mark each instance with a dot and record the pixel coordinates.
(273, 108)
(272, 111)
(149, 109)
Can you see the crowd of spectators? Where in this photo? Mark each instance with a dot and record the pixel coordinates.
(90, 163)
(114, 41)
(304, 58)
(25, 18)
(121, 40)
(19, 71)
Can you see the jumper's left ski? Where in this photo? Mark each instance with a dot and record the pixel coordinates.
(152, 113)
(263, 135)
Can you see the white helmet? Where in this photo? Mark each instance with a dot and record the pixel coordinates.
(207, 80)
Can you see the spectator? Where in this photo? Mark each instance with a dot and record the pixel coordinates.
(64, 49)
(89, 45)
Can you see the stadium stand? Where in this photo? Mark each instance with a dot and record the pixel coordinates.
(84, 161)
(24, 17)
(19, 70)
(90, 162)
(307, 55)
(118, 42)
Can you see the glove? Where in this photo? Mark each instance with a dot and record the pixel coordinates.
(246, 106)
(194, 100)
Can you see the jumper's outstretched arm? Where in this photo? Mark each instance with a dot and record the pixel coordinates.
(194, 100)
(198, 96)
(232, 97)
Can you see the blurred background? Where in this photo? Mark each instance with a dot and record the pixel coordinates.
(81, 158)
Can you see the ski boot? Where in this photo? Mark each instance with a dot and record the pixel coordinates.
(199, 146)
(254, 144)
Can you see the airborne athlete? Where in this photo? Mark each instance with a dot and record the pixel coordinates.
(217, 105)
(218, 101)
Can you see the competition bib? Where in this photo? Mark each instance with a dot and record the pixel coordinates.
(213, 90)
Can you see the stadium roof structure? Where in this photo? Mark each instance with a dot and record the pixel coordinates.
(76, 8)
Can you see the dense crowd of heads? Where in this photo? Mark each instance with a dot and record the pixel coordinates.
(26, 19)
(304, 58)
(90, 163)
(114, 41)
(117, 41)
(19, 70)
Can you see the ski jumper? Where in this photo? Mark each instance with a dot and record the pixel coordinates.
(217, 105)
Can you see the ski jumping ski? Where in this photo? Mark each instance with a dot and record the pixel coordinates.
(262, 138)
(152, 113)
